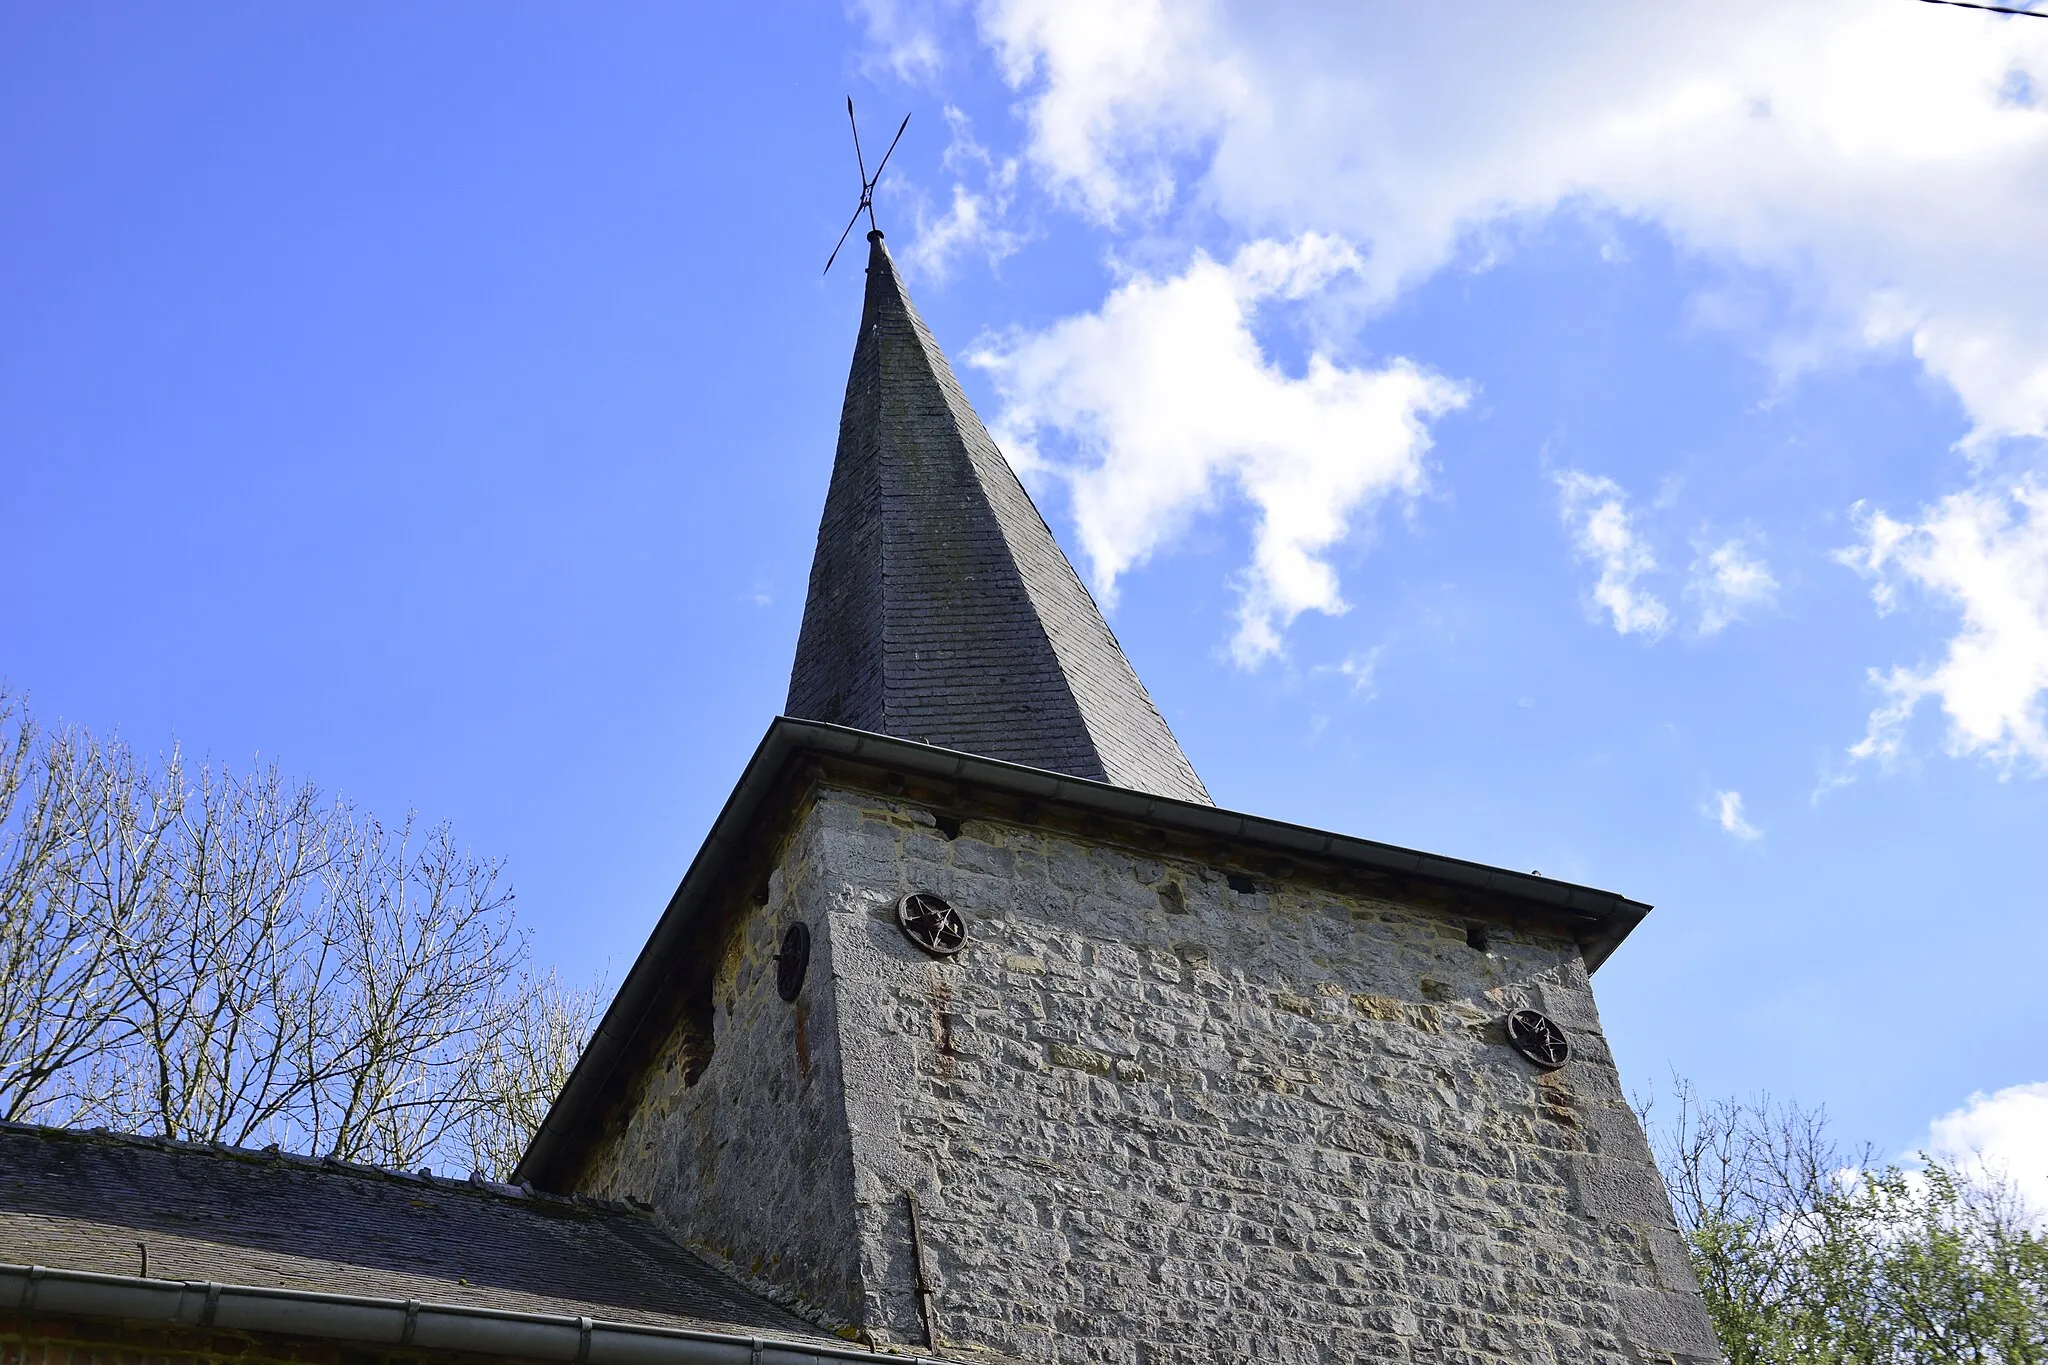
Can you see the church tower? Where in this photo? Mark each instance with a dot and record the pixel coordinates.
(976, 1030)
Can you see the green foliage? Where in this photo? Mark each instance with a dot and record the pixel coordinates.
(1806, 1253)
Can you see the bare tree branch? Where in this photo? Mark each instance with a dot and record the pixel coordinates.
(524, 1066)
(1807, 1252)
(227, 957)
(81, 843)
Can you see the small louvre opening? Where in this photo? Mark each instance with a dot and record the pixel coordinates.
(693, 1034)
(949, 825)
(1241, 884)
(1476, 937)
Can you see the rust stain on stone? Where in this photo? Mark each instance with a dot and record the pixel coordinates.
(941, 992)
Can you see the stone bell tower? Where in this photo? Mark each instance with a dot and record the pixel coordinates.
(976, 1030)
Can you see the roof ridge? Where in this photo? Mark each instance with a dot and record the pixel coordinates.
(276, 1155)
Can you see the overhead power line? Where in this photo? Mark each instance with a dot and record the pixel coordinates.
(1995, 9)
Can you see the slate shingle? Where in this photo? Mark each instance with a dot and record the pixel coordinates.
(82, 1201)
(940, 607)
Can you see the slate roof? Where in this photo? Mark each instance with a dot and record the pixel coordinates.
(941, 609)
(84, 1201)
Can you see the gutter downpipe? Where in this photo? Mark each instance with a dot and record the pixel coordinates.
(399, 1322)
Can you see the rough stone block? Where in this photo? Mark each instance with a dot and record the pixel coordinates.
(1175, 1130)
(1674, 1265)
(1620, 1191)
(1659, 1320)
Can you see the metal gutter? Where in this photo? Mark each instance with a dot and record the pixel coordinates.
(1602, 919)
(398, 1322)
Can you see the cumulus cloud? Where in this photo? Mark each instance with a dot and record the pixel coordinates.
(1727, 582)
(975, 220)
(905, 37)
(1726, 809)
(1151, 406)
(2005, 1135)
(1887, 164)
(1983, 553)
(1596, 517)
(1884, 159)
(1124, 86)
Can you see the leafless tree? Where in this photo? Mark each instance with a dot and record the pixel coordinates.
(227, 957)
(1813, 1253)
(524, 1067)
(426, 953)
(82, 853)
(220, 968)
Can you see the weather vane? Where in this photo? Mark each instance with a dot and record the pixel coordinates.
(867, 182)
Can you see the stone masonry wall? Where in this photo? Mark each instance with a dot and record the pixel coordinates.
(1154, 1119)
(747, 1159)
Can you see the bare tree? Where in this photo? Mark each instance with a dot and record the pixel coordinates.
(227, 957)
(82, 852)
(426, 950)
(523, 1068)
(1810, 1252)
(221, 967)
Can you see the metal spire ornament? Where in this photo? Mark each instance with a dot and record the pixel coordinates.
(867, 182)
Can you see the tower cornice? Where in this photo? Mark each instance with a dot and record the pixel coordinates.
(796, 756)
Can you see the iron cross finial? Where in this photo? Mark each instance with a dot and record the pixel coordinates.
(867, 182)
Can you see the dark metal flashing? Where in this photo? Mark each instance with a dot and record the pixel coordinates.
(408, 1324)
(1597, 920)
(273, 1157)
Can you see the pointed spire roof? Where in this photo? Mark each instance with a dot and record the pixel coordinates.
(940, 607)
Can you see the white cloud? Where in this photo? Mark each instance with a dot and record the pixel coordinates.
(1885, 163)
(1596, 516)
(1126, 84)
(1727, 581)
(1164, 394)
(905, 37)
(1727, 812)
(1883, 159)
(1360, 670)
(1985, 553)
(974, 221)
(2004, 1134)
(967, 225)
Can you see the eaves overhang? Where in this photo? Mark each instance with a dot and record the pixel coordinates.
(1597, 920)
(408, 1325)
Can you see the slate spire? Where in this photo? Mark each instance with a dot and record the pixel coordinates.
(940, 607)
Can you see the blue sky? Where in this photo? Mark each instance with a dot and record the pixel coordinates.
(1609, 444)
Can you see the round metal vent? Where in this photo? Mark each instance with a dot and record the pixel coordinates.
(1538, 1037)
(931, 924)
(793, 961)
